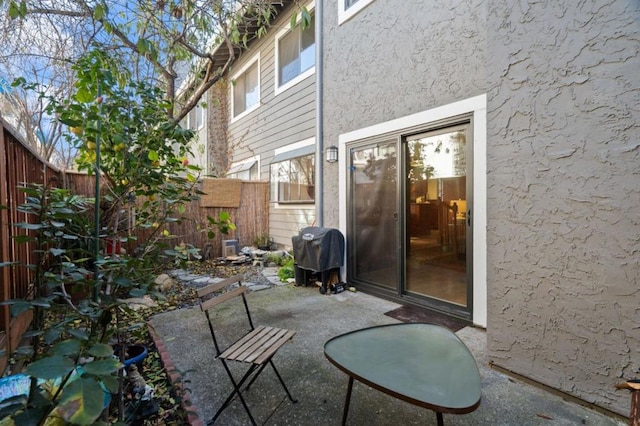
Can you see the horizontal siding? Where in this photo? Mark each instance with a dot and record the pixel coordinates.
(281, 119)
(285, 223)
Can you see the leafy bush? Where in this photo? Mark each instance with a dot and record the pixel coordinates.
(286, 271)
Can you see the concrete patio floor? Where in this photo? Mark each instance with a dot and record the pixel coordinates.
(320, 387)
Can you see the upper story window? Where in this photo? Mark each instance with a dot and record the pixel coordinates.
(293, 176)
(348, 8)
(245, 88)
(295, 53)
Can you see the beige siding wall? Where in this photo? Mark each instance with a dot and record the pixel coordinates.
(280, 120)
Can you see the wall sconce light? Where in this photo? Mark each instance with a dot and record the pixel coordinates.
(332, 154)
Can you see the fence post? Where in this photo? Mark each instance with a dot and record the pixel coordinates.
(4, 250)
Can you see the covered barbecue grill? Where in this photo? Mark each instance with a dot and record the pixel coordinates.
(318, 250)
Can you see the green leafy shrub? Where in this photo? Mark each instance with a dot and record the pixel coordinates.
(276, 258)
(286, 271)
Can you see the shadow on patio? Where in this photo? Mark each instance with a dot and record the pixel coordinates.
(320, 387)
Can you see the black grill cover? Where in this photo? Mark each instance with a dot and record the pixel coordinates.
(318, 249)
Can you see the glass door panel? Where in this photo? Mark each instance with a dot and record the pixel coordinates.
(436, 224)
(373, 214)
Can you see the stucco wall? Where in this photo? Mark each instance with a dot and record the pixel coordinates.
(395, 58)
(564, 194)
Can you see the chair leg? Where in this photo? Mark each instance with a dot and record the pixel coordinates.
(282, 383)
(236, 391)
(255, 376)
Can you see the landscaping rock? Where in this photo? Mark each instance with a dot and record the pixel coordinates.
(136, 303)
(164, 282)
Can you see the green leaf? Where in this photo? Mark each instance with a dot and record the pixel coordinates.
(21, 239)
(102, 367)
(111, 383)
(56, 251)
(66, 347)
(101, 350)
(51, 335)
(305, 18)
(100, 11)
(153, 156)
(50, 368)
(137, 292)
(84, 95)
(19, 307)
(80, 334)
(14, 11)
(82, 401)
(30, 226)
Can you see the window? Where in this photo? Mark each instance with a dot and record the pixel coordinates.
(246, 88)
(245, 170)
(196, 117)
(293, 176)
(348, 8)
(295, 54)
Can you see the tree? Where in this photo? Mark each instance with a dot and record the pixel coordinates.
(44, 61)
(125, 140)
(159, 38)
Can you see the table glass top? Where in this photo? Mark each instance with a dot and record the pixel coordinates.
(423, 362)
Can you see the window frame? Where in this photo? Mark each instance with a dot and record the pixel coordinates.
(274, 192)
(345, 14)
(254, 161)
(254, 60)
(280, 35)
(192, 118)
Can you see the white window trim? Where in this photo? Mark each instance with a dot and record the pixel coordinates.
(478, 107)
(311, 71)
(254, 159)
(202, 111)
(292, 147)
(242, 70)
(345, 15)
(192, 118)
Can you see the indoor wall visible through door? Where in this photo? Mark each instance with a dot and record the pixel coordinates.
(437, 221)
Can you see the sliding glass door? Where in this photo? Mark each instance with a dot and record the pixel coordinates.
(373, 243)
(438, 215)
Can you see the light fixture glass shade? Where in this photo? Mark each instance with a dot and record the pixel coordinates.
(332, 154)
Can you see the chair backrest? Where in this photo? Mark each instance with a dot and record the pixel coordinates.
(228, 289)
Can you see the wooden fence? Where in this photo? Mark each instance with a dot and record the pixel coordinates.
(20, 166)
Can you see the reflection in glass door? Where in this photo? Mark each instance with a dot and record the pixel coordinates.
(373, 214)
(437, 215)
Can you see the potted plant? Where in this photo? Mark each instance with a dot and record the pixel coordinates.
(263, 241)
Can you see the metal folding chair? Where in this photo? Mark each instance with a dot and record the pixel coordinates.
(255, 348)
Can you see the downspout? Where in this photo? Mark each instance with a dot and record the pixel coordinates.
(319, 195)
